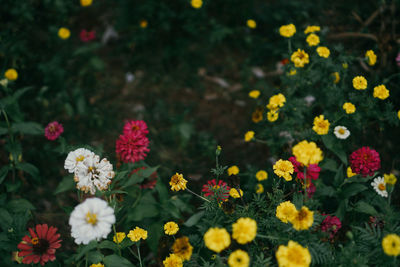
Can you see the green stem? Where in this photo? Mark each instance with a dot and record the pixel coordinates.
(138, 251)
(133, 253)
(12, 142)
(197, 195)
(268, 237)
(290, 46)
(391, 77)
(116, 238)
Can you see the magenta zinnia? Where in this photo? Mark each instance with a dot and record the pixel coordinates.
(312, 171)
(219, 191)
(331, 225)
(365, 161)
(53, 130)
(40, 246)
(132, 147)
(136, 126)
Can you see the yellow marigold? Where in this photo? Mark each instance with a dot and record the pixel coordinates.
(284, 168)
(390, 178)
(251, 24)
(311, 29)
(233, 170)
(177, 182)
(349, 108)
(119, 237)
(143, 23)
(248, 136)
(287, 30)
(196, 3)
(303, 219)
(337, 77)
(312, 39)
(11, 74)
(371, 57)
(244, 230)
(235, 194)
(286, 211)
(360, 83)
(350, 173)
(257, 115)
(137, 234)
(86, 2)
(182, 248)
(293, 255)
(300, 58)
(391, 245)
(261, 175)
(171, 228)
(173, 261)
(307, 153)
(217, 239)
(323, 51)
(64, 33)
(272, 115)
(276, 101)
(96, 265)
(239, 258)
(259, 189)
(321, 126)
(398, 114)
(254, 94)
(292, 72)
(381, 92)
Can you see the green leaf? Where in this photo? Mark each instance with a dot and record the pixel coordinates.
(330, 143)
(108, 244)
(324, 190)
(156, 230)
(85, 249)
(20, 205)
(28, 128)
(3, 130)
(3, 173)
(329, 164)
(29, 168)
(116, 261)
(341, 210)
(337, 181)
(139, 176)
(351, 190)
(194, 219)
(364, 207)
(5, 219)
(66, 184)
(95, 257)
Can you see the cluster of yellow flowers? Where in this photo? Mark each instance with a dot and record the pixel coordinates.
(307, 153)
(380, 91)
(300, 219)
(275, 103)
(137, 234)
(321, 125)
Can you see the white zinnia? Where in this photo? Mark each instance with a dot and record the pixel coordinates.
(341, 132)
(91, 220)
(380, 186)
(76, 156)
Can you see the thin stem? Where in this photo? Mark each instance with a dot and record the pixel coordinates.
(197, 195)
(290, 46)
(133, 253)
(116, 238)
(268, 237)
(138, 251)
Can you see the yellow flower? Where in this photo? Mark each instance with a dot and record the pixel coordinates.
(251, 24)
(286, 211)
(259, 189)
(390, 178)
(360, 83)
(293, 255)
(272, 115)
(276, 101)
(284, 168)
(391, 245)
(398, 114)
(345, 65)
(350, 173)
(86, 2)
(371, 57)
(311, 29)
(217, 239)
(287, 30)
(254, 94)
(303, 219)
(257, 115)
(312, 39)
(64, 33)
(182, 248)
(307, 153)
(119, 237)
(244, 230)
(292, 72)
(143, 23)
(248, 136)
(235, 194)
(137, 234)
(337, 77)
(173, 261)
(196, 3)
(261, 175)
(381, 92)
(11, 74)
(300, 58)
(349, 108)
(323, 51)
(177, 182)
(239, 258)
(233, 170)
(97, 265)
(171, 228)
(321, 126)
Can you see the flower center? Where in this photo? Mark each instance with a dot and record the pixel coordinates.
(381, 187)
(52, 128)
(301, 215)
(341, 131)
(135, 127)
(91, 218)
(80, 158)
(35, 240)
(41, 246)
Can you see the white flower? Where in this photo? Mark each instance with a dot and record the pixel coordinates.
(309, 100)
(341, 132)
(380, 186)
(76, 156)
(91, 220)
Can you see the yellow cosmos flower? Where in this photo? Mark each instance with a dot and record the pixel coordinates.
(173, 261)
(381, 92)
(257, 115)
(248, 136)
(11, 74)
(299, 58)
(303, 219)
(233, 170)
(86, 2)
(217, 239)
(284, 168)
(235, 194)
(293, 255)
(244, 230)
(360, 83)
(337, 77)
(119, 237)
(171, 228)
(350, 173)
(259, 189)
(96, 265)
(254, 94)
(177, 182)
(143, 23)
(272, 115)
(64, 33)
(312, 39)
(311, 29)
(261, 175)
(251, 24)
(321, 126)
(137, 234)
(286, 211)
(239, 258)
(196, 3)
(391, 245)
(371, 57)
(349, 108)
(390, 178)
(307, 153)
(287, 30)
(323, 51)
(182, 248)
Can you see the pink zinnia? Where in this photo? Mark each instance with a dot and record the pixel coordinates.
(40, 246)
(331, 224)
(365, 161)
(132, 147)
(87, 36)
(220, 191)
(53, 130)
(135, 126)
(312, 170)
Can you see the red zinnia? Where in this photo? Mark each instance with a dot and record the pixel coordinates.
(365, 161)
(312, 170)
(331, 225)
(53, 130)
(87, 36)
(132, 147)
(40, 246)
(220, 191)
(135, 126)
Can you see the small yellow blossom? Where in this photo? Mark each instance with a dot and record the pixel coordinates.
(292, 72)
(259, 189)
(312, 39)
(293, 255)
(235, 194)
(286, 211)
(233, 170)
(173, 261)
(119, 237)
(244, 230)
(257, 115)
(251, 24)
(349, 108)
(64, 33)
(300, 58)
(182, 248)
(323, 51)
(137, 234)
(337, 77)
(381, 92)
(239, 258)
(345, 65)
(261, 175)
(303, 219)
(96, 265)
(284, 168)
(254, 94)
(196, 3)
(360, 83)
(143, 23)
(311, 29)
(391, 245)
(11, 74)
(398, 114)
(371, 57)
(177, 182)
(350, 173)
(272, 115)
(321, 126)
(171, 228)
(307, 153)
(287, 30)
(276, 101)
(248, 136)
(217, 239)
(390, 178)
(86, 2)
